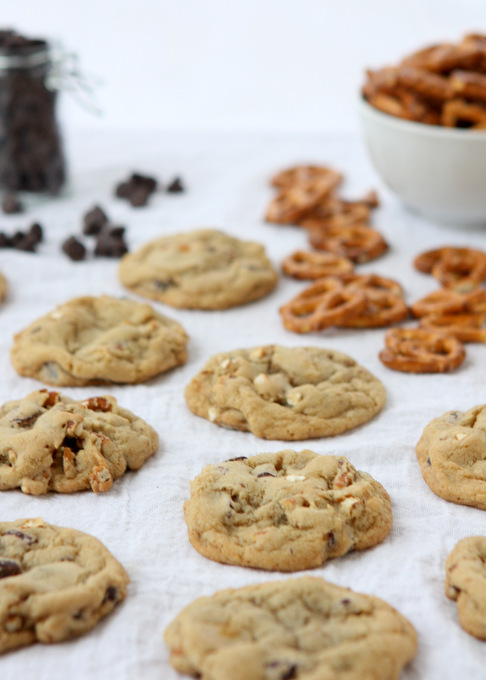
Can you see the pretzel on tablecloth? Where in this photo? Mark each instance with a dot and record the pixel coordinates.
(357, 242)
(447, 301)
(417, 350)
(464, 327)
(325, 303)
(308, 265)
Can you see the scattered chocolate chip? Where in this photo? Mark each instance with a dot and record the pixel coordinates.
(265, 474)
(11, 204)
(109, 245)
(27, 244)
(230, 460)
(111, 594)
(9, 568)
(139, 197)
(30, 540)
(94, 221)
(36, 232)
(17, 238)
(137, 189)
(331, 540)
(4, 240)
(176, 186)
(74, 249)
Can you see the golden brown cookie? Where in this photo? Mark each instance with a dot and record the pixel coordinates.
(49, 442)
(285, 393)
(302, 628)
(55, 583)
(285, 511)
(99, 340)
(465, 575)
(452, 456)
(204, 269)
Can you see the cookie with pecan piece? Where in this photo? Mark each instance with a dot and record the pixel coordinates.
(285, 511)
(465, 574)
(99, 340)
(49, 442)
(204, 269)
(55, 583)
(285, 393)
(303, 628)
(452, 456)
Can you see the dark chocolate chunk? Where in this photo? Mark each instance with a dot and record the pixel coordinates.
(139, 197)
(36, 232)
(111, 594)
(5, 240)
(176, 186)
(137, 189)
(265, 474)
(11, 204)
(16, 238)
(27, 243)
(74, 249)
(149, 183)
(108, 245)
(231, 460)
(122, 190)
(30, 540)
(9, 568)
(94, 221)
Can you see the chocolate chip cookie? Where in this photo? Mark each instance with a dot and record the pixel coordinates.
(55, 583)
(302, 628)
(285, 511)
(465, 575)
(99, 340)
(452, 456)
(49, 442)
(203, 269)
(285, 393)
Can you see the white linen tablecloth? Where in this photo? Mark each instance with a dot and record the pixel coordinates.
(140, 519)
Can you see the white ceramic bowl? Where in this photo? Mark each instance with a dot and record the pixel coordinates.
(437, 171)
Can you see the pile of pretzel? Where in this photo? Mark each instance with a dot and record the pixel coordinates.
(449, 317)
(307, 196)
(444, 84)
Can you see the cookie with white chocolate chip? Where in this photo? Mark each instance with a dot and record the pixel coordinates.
(55, 583)
(49, 442)
(452, 456)
(204, 269)
(305, 628)
(99, 340)
(285, 511)
(285, 393)
(465, 574)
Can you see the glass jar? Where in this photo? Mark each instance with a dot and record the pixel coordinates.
(31, 155)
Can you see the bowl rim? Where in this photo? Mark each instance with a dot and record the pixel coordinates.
(463, 134)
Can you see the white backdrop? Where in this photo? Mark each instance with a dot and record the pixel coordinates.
(276, 65)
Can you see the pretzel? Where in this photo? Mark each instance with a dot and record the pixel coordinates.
(424, 83)
(292, 204)
(347, 216)
(325, 303)
(458, 268)
(469, 84)
(447, 301)
(357, 242)
(308, 265)
(384, 302)
(300, 174)
(417, 350)
(464, 327)
(459, 113)
(445, 57)
(461, 271)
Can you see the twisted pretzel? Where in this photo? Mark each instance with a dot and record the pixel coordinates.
(307, 265)
(469, 84)
(372, 281)
(295, 202)
(464, 327)
(450, 302)
(430, 86)
(460, 113)
(444, 57)
(299, 174)
(384, 302)
(325, 303)
(418, 350)
(461, 271)
(357, 242)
